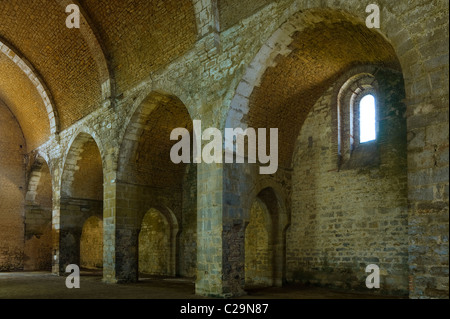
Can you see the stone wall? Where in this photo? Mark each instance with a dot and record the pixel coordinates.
(347, 217)
(13, 183)
(91, 244)
(154, 244)
(258, 255)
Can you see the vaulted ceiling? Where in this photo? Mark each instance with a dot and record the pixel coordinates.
(52, 76)
(127, 39)
(320, 54)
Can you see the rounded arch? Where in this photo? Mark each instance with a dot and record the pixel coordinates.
(266, 183)
(168, 214)
(327, 194)
(146, 143)
(53, 53)
(41, 155)
(283, 47)
(37, 81)
(270, 196)
(74, 155)
(259, 246)
(358, 82)
(147, 175)
(81, 197)
(393, 30)
(144, 104)
(84, 132)
(91, 243)
(346, 94)
(158, 236)
(39, 173)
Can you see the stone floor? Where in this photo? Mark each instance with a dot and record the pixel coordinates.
(39, 285)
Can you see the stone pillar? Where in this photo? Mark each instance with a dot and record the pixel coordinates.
(221, 232)
(109, 228)
(428, 173)
(209, 231)
(66, 232)
(428, 163)
(121, 233)
(56, 226)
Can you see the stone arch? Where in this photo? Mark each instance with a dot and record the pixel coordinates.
(91, 243)
(38, 217)
(73, 155)
(283, 82)
(326, 196)
(279, 194)
(144, 103)
(79, 136)
(392, 30)
(149, 117)
(346, 94)
(82, 195)
(151, 223)
(271, 197)
(37, 81)
(147, 177)
(38, 169)
(280, 45)
(258, 246)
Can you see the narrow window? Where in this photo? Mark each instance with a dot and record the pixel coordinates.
(367, 119)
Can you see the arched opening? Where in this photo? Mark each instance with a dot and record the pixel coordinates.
(258, 252)
(38, 218)
(81, 206)
(265, 241)
(347, 214)
(91, 244)
(154, 244)
(150, 180)
(291, 82)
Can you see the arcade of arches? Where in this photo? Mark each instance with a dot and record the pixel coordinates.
(86, 115)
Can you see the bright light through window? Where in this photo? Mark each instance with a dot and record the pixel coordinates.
(367, 119)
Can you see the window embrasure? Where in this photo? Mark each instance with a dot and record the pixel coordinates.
(357, 116)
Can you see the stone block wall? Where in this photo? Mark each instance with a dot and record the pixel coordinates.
(154, 244)
(75, 222)
(13, 187)
(38, 218)
(91, 244)
(346, 218)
